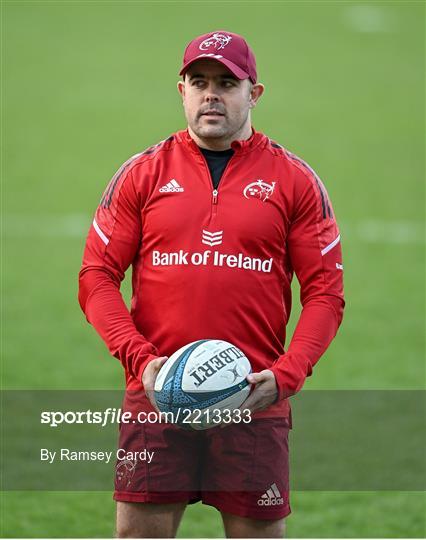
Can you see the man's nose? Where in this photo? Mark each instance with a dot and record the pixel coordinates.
(212, 95)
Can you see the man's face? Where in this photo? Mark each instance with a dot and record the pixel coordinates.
(217, 104)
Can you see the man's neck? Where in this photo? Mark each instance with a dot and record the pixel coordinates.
(221, 144)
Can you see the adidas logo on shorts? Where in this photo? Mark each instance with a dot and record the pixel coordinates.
(272, 497)
(171, 187)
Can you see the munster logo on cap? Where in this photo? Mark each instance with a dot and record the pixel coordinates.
(225, 47)
(217, 40)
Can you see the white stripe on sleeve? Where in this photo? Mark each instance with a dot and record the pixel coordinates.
(104, 239)
(330, 246)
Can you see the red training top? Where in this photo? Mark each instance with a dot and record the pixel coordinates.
(215, 264)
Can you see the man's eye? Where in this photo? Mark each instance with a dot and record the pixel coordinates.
(198, 84)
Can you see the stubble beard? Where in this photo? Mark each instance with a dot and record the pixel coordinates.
(216, 132)
(211, 132)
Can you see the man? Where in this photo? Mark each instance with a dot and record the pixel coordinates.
(221, 180)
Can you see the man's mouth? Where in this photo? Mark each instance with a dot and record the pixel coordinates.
(212, 113)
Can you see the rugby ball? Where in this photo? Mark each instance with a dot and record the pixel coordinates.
(200, 379)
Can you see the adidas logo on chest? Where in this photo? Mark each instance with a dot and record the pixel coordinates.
(171, 187)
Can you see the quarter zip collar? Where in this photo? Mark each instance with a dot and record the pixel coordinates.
(239, 147)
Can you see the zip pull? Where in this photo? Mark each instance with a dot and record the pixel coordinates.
(215, 196)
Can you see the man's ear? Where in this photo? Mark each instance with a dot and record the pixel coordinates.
(256, 91)
(181, 88)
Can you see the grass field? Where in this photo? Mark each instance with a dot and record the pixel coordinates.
(88, 84)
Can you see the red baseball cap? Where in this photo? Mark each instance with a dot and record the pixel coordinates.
(231, 50)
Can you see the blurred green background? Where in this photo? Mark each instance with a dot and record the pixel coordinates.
(87, 84)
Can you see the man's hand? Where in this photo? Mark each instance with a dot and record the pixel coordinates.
(149, 375)
(264, 393)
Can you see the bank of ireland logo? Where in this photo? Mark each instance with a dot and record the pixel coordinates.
(259, 190)
(125, 471)
(217, 40)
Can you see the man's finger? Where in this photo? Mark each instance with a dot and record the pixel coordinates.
(248, 404)
(150, 393)
(250, 401)
(159, 362)
(255, 378)
(148, 378)
(151, 397)
(154, 367)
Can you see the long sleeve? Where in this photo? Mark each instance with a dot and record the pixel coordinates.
(112, 243)
(315, 255)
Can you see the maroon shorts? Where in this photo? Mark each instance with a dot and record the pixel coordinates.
(241, 469)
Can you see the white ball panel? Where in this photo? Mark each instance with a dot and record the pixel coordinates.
(214, 366)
